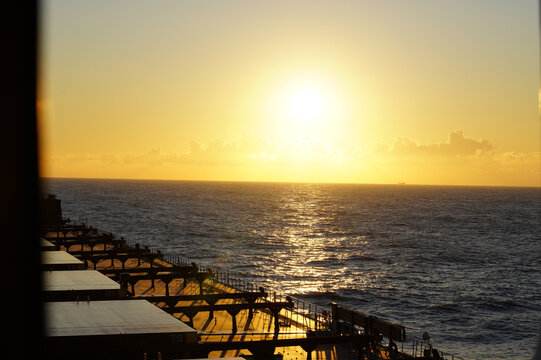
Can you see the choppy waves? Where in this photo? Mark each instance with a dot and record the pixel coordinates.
(462, 263)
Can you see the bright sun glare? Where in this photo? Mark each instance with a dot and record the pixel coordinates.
(307, 105)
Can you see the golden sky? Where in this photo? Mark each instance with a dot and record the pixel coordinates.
(421, 91)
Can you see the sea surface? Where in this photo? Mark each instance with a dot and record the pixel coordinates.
(461, 263)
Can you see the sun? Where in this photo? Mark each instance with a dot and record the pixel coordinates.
(304, 106)
(307, 105)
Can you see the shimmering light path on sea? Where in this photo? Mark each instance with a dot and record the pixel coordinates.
(459, 262)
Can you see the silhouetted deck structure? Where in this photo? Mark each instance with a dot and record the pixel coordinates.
(229, 322)
(227, 317)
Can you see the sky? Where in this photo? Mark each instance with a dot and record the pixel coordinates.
(416, 92)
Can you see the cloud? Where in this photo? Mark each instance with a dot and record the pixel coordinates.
(250, 149)
(296, 151)
(458, 160)
(456, 145)
(254, 144)
(514, 158)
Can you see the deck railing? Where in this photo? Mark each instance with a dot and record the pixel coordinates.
(303, 314)
(419, 346)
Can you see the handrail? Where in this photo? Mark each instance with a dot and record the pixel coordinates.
(419, 346)
(306, 314)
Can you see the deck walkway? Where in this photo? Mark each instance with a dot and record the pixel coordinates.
(218, 326)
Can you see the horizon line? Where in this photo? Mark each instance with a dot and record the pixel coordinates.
(292, 182)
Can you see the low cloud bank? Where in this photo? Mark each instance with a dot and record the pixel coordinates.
(456, 145)
(458, 160)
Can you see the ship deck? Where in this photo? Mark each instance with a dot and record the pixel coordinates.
(213, 323)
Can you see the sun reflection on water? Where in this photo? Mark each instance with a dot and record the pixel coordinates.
(310, 256)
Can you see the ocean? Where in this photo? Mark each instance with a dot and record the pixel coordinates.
(461, 263)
